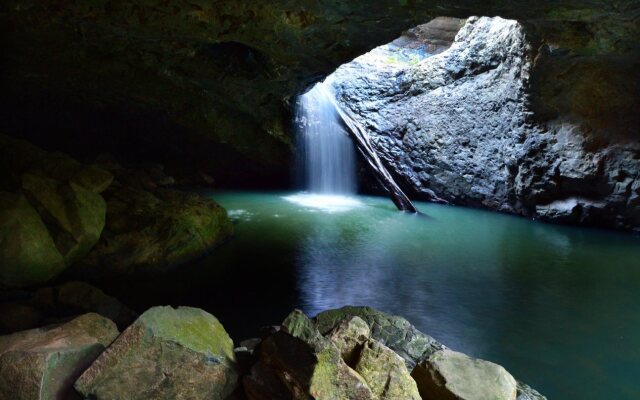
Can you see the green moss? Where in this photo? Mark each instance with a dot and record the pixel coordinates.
(192, 328)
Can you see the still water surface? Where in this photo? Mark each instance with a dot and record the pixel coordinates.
(558, 306)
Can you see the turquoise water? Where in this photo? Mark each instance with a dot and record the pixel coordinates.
(558, 306)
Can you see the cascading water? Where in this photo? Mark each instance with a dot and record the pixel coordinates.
(326, 154)
(326, 151)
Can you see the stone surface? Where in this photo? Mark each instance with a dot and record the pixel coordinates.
(451, 375)
(393, 331)
(299, 361)
(460, 126)
(28, 254)
(152, 231)
(43, 363)
(349, 336)
(168, 353)
(386, 373)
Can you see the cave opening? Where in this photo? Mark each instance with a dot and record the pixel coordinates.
(146, 160)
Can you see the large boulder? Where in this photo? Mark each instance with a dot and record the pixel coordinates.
(42, 364)
(152, 231)
(168, 353)
(28, 254)
(457, 124)
(449, 375)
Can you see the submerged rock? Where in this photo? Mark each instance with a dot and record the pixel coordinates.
(447, 374)
(168, 353)
(43, 363)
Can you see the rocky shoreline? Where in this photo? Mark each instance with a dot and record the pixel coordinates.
(185, 353)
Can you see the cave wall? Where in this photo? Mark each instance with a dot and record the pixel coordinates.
(226, 71)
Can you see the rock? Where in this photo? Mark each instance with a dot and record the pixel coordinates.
(458, 125)
(77, 211)
(392, 331)
(386, 373)
(299, 360)
(150, 232)
(28, 255)
(168, 353)
(451, 375)
(349, 336)
(43, 363)
(72, 298)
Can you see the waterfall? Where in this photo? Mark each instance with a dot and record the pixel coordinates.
(327, 154)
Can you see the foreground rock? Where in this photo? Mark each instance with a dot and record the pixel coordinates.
(451, 375)
(168, 353)
(43, 363)
(341, 354)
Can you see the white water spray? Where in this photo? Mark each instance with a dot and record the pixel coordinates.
(327, 152)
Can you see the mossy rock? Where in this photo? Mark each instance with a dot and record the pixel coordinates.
(78, 213)
(168, 353)
(28, 254)
(42, 364)
(393, 331)
(386, 373)
(153, 232)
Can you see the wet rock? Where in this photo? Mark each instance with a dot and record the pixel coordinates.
(44, 363)
(166, 354)
(28, 254)
(386, 373)
(451, 375)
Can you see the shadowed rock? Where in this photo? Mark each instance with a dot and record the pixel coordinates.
(42, 364)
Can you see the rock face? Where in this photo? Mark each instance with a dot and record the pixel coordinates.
(460, 127)
(43, 363)
(52, 212)
(168, 353)
(451, 375)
